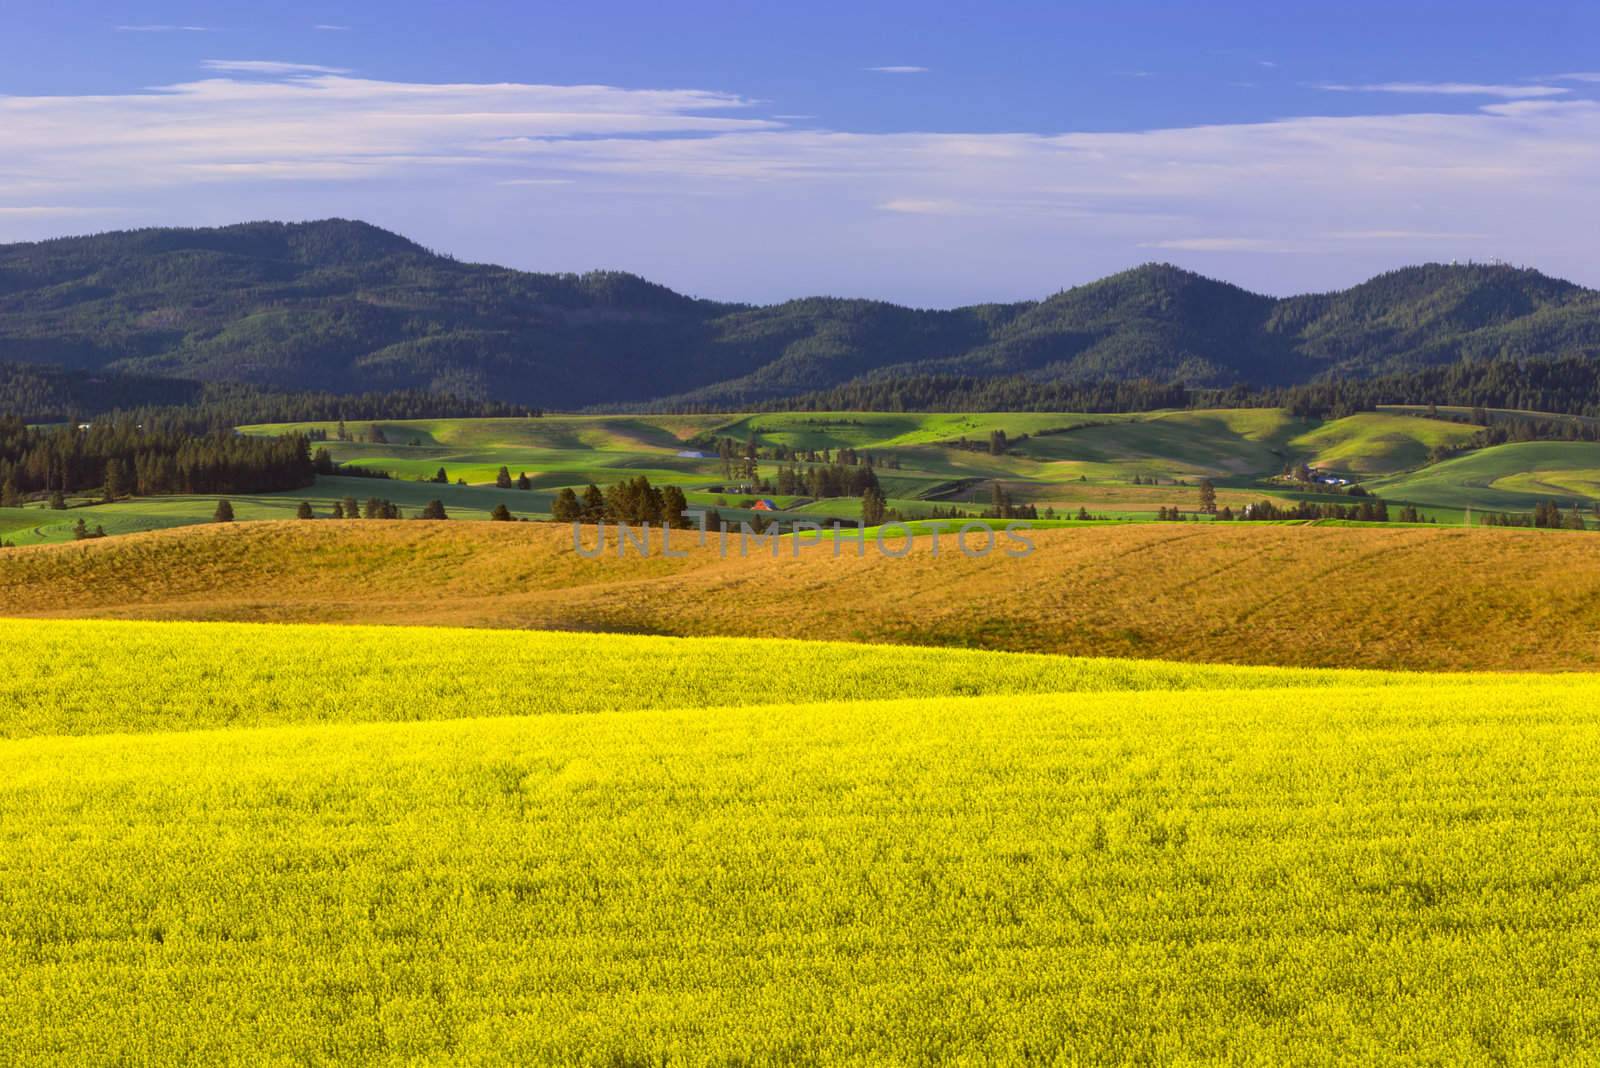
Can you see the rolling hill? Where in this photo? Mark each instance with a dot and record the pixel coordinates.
(1418, 598)
(344, 306)
(241, 844)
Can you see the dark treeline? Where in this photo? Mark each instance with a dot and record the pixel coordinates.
(831, 480)
(1547, 515)
(633, 501)
(965, 393)
(1371, 510)
(40, 393)
(741, 458)
(1565, 386)
(121, 459)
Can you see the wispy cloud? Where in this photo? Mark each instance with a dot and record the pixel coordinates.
(1576, 76)
(914, 206)
(542, 166)
(269, 66)
(1506, 92)
(160, 28)
(301, 123)
(899, 70)
(328, 27)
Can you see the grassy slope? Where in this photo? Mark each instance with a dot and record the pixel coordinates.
(1078, 877)
(1511, 477)
(1424, 598)
(35, 524)
(1378, 443)
(1090, 467)
(1226, 444)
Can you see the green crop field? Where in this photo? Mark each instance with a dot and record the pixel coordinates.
(1379, 443)
(38, 524)
(1510, 477)
(300, 844)
(1124, 466)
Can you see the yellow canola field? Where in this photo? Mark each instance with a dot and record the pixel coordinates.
(97, 677)
(1338, 868)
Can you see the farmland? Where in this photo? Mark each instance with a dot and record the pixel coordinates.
(1108, 862)
(1431, 598)
(1153, 792)
(1123, 467)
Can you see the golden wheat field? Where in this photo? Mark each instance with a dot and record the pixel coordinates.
(1417, 598)
(302, 844)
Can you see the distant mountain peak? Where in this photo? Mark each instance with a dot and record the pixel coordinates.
(343, 305)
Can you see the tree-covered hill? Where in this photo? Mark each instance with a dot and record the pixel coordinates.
(343, 306)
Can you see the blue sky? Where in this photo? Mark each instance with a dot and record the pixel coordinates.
(929, 153)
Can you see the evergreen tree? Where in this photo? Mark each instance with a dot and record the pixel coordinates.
(351, 509)
(594, 504)
(304, 511)
(872, 507)
(80, 530)
(673, 504)
(116, 481)
(434, 509)
(503, 479)
(565, 508)
(441, 477)
(374, 509)
(338, 509)
(524, 482)
(501, 514)
(224, 512)
(57, 501)
(1208, 497)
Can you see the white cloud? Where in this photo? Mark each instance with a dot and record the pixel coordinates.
(320, 126)
(913, 206)
(1577, 76)
(899, 70)
(268, 66)
(691, 186)
(327, 27)
(1507, 92)
(164, 29)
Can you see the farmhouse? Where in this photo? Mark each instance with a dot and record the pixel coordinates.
(764, 505)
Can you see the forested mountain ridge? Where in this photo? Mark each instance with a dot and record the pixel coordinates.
(344, 306)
